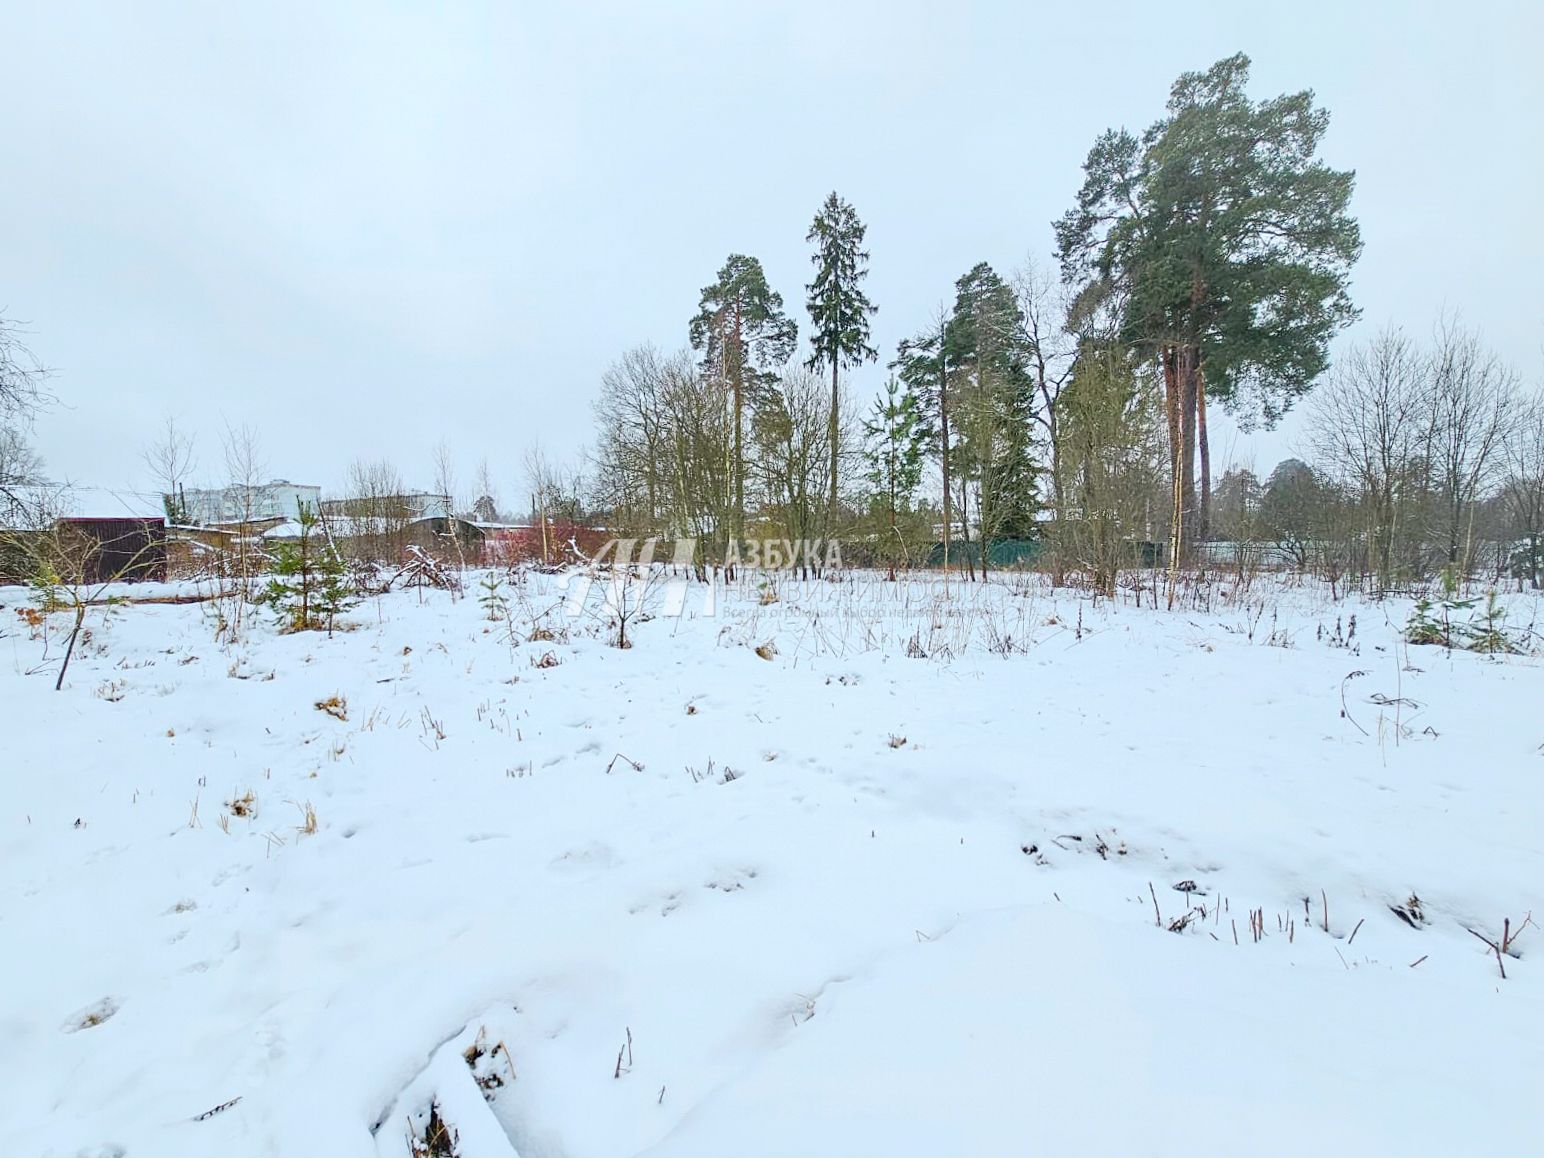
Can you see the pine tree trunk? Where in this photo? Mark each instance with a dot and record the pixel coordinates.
(1204, 523)
(738, 528)
(1187, 446)
(894, 535)
(737, 381)
(943, 422)
(1171, 407)
(835, 436)
(1171, 393)
(970, 565)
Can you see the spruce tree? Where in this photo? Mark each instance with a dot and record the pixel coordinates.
(988, 352)
(895, 451)
(744, 335)
(923, 365)
(335, 592)
(839, 310)
(308, 582)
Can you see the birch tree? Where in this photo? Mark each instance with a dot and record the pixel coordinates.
(1474, 400)
(1522, 490)
(1370, 425)
(170, 460)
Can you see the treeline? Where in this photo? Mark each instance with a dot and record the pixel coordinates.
(1204, 262)
(734, 438)
(1059, 411)
(1425, 457)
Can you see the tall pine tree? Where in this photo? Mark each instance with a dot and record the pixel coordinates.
(744, 335)
(839, 310)
(1231, 246)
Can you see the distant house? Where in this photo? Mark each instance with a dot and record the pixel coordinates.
(404, 507)
(288, 531)
(234, 505)
(447, 537)
(383, 527)
(505, 544)
(86, 534)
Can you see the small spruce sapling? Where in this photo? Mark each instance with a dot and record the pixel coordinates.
(492, 600)
(1483, 630)
(309, 585)
(335, 590)
(1487, 632)
(1425, 627)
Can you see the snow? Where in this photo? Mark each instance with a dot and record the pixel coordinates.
(289, 529)
(889, 892)
(24, 504)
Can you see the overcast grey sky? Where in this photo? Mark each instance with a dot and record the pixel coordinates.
(362, 227)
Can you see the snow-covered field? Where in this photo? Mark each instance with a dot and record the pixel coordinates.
(942, 871)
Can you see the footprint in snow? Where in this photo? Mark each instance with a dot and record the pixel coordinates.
(668, 904)
(92, 1015)
(590, 856)
(731, 882)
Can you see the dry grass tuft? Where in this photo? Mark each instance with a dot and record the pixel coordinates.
(335, 706)
(307, 825)
(439, 1139)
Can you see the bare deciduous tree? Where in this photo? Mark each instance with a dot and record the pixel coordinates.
(541, 477)
(1113, 457)
(792, 437)
(22, 377)
(1043, 300)
(1419, 439)
(169, 458)
(665, 453)
(1299, 511)
(22, 395)
(1522, 491)
(445, 475)
(245, 468)
(486, 505)
(20, 464)
(1370, 427)
(374, 514)
(1473, 402)
(631, 471)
